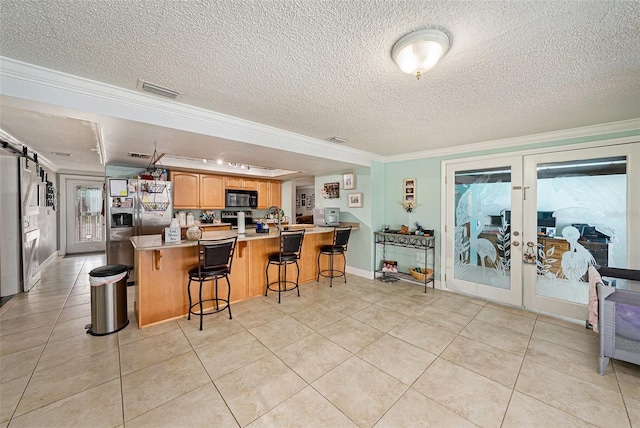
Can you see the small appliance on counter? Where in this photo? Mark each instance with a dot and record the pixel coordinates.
(231, 217)
(326, 216)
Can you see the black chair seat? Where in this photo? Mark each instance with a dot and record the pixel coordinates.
(202, 272)
(289, 254)
(276, 257)
(331, 249)
(214, 262)
(338, 248)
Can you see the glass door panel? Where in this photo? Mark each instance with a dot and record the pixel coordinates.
(480, 206)
(85, 230)
(580, 222)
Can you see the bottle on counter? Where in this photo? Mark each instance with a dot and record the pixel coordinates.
(182, 218)
(190, 219)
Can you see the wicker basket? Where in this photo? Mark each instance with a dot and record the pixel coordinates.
(421, 276)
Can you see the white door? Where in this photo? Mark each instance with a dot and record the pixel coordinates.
(85, 229)
(29, 193)
(579, 211)
(523, 230)
(483, 216)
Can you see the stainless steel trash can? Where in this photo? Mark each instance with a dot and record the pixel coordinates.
(108, 299)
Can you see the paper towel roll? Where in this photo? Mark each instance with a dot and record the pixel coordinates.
(241, 222)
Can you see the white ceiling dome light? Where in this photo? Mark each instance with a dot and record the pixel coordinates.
(420, 51)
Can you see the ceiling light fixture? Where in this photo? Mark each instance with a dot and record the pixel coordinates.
(419, 52)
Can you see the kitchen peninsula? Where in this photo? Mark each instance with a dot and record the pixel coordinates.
(161, 269)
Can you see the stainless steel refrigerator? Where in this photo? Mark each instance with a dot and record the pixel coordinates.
(134, 208)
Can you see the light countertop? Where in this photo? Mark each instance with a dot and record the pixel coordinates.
(154, 242)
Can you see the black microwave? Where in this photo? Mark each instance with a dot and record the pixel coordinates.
(241, 198)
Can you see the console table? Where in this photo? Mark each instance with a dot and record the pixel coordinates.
(417, 242)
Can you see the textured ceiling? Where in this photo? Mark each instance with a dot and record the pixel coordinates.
(322, 68)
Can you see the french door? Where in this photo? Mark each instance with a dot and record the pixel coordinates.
(85, 229)
(523, 230)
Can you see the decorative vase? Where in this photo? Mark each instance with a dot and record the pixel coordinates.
(194, 233)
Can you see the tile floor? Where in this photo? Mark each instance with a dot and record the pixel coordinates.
(361, 354)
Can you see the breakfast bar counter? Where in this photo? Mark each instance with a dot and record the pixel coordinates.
(161, 269)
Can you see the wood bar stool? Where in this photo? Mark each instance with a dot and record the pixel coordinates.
(214, 262)
(290, 249)
(339, 246)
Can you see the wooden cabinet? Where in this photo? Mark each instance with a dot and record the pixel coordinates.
(186, 190)
(211, 191)
(197, 191)
(241, 183)
(269, 193)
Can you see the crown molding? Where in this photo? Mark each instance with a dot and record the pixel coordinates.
(567, 134)
(28, 81)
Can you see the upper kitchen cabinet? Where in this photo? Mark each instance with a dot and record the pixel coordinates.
(186, 189)
(269, 193)
(197, 191)
(211, 191)
(231, 182)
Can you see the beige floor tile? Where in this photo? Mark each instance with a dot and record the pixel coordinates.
(369, 294)
(513, 310)
(628, 377)
(280, 332)
(633, 408)
(48, 386)
(290, 302)
(80, 410)
(152, 350)
(256, 388)
(262, 314)
(361, 391)
(351, 334)
(10, 394)
(41, 321)
(72, 348)
(398, 358)
(74, 312)
(199, 408)
(525, 411)
(586, 341)
(24, 340)
(470, 395)
(453, 304)
(312, 356)
(423, 335)
(84, 289)
(231, 353)
(407, 305)
(415, 410)
(466, 298)
(156, 385)
(379, 317)
(19, 364)
(78, 299)
(66, 329)
(132, 333)
(494, 363)
(215, 327)
(577, 397)
(318, 317)
(566, 323)
(569, 361)
(23, 309)
(496, 336)
(519, 323)
(443, 318)
(306, 409)
(348, 304)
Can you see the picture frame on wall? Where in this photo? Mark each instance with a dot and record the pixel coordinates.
(355, 200)
(349, 181)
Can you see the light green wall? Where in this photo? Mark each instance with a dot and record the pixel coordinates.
(427, 172)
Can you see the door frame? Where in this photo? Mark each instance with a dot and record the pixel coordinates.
(62, 226)
(629, 144)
